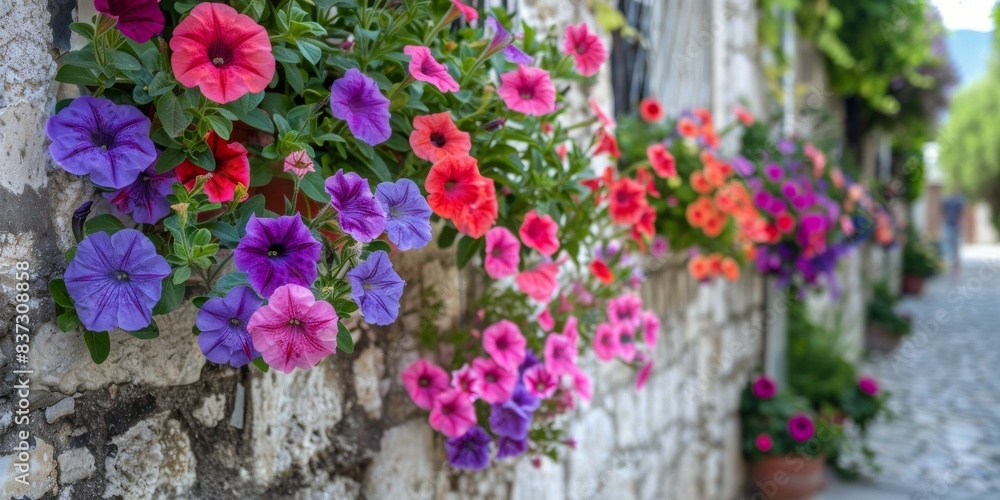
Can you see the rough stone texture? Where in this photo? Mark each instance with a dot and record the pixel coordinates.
(75, 465)
(59, 410)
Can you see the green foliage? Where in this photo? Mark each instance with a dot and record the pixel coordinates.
(882, 311)
(920, 259)
(771, 416)
(817, 366)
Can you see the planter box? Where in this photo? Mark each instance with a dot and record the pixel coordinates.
(913, 284)
(878, 339)
(788, 477)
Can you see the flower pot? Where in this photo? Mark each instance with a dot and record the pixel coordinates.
(788, 477)
(913, 284)
(878, 339)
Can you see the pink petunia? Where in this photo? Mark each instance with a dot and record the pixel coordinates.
(424, 381)
(586, 48)
(494, 383)
(643, 376)
(294, 329)
(570, 329)
(463, 380)
(626, 341)
(606, 120)
(528, 90)
(425, 68)
(546, 321)
(299, 163)
(763, 442)
(540, 282)
(606, 342)
(560, 354)
(581, 385)
(650, 329)
(540, 233)
(504, 343)
(625, 308)
(503, 253)
(469, 13)
(540, 382)
(453, 413)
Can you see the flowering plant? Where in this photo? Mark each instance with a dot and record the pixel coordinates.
(696, 195)
(777, 422)
(236, 145)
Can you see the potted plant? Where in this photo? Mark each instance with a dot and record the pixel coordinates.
(886, 327)
(784, 442)
(919, 262)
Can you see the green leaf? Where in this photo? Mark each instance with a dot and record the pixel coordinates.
(181, 274)
(447, 236)
(221, 125)
(105, 222)
(344, 340)
(150, 332)
(228, 235)
(99, 345)
(161, 84)
(85, 30)
(172, 114)
(169, 159)
(261, 364)
(76, 75)
(204, 159)
(467, 248)
(171, 295)
(259, 120)
(314, 187)
(227, 282)
(60, 296)
(125, 61)
(378, 245)
(311, 51)
(68, 321)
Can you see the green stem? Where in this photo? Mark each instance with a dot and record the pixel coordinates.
(218, 269)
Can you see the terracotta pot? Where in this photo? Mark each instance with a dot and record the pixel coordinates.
(913, 284)
(878, 339)
(788, 477)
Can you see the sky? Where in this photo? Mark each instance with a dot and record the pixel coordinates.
(966, 14)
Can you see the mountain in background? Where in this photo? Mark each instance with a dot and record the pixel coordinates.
(970, 51)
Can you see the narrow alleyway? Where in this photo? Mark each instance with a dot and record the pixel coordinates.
(945, 384)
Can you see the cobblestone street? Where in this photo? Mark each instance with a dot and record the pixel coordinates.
(945, 440)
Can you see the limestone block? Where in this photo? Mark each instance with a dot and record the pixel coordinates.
(75, 465)
(405, 467)
(41, 478)
(151, 459)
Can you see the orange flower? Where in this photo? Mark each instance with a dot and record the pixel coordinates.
(453, 184)
(711, 139)
(714, 264)
(730, 269)
(715, 222)
(698, 266)
(628, 201)
(436, 136)
(699, 184)
(704, 115)
(695, 215)
(650, 109)
(714, 174)
(687, 128)
(478, 217)
(661, 160)
(725, 200)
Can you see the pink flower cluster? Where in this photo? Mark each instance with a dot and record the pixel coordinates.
(617, 336)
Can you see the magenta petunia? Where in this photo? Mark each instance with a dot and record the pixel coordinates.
(868, 386)
(763, 442)
(560, 354)
(540, 232)
(356, 99)
(94, 136)
(137, 19)
(425, 68)
(540, 382)
(626, 342)
(586, 48)
(528, 90)
(294, 329)
(801, 427)
(581, 385)
(359, 213)
(145, 200)
(276, 252)
(627, 309)
(423, 381)
(503, 253)
(605, 342)
(650, 329)
(464, 379)
(494, 383)
(539, 283)
(764, 387)
(546, 321)
(452, 413)
(505, 344)
(643, 376)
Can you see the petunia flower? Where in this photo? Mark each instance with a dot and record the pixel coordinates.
(359, 213)
(662, 161)
(743, 115)
(650, 329)
(504, 40)
(586, 48)
(94, 136)
(868, 386)
(606, 120)
(224, 53)
(435, 136)
(425, 68)
(276, 252)
(521, 397)
(627, 201)
(540, 233)
(146, 198)
(356, 99)
(294, 329)
(546, 321)
(581, 384)
(626, 341)
(299, 163)
(651, 110)
(601, 271)
(764, 387)
(570, 329)
(510, 420)
(137, 19)
(528, 90)
(503, 253)
(504, 343)
(508, 447)
(115, 280)
(423, 381)
(476, 218)
(494, 383)
(763, 442)
(471, 451)
(232, 168)
(452, 184)
(560, 354)
(458, 8)
(643, 375)
(224, 337)
(452, 413)
(540, 382)
(540, 282)
(376, 288)
(606, 143)
(801, 427)
(626, 309)
(463, 380)
(408, 217)
(606, 342)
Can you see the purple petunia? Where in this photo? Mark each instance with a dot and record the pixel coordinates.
(742, 166)
(108, 141)
(223, 324)
(470, 451)
(522, 398)
(510, 447)
(504, 39)
(359, 213)
(137, 19)
(115, 280)
(376, 288)
(773, 171)
(356, 99)
(146, 198)
(509, 419)
(408, 217)
(277, 252)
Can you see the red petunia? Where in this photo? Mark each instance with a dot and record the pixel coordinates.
(436, 136)
(651, 110)
(231, 169)
(661, 160)
(478, 217)
(225, 53)
(540, 233)
(607, 143)
(627, 201)
(743, 115)
(453, 184)
(602, 271)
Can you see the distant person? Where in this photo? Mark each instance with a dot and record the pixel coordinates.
(953, 208)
